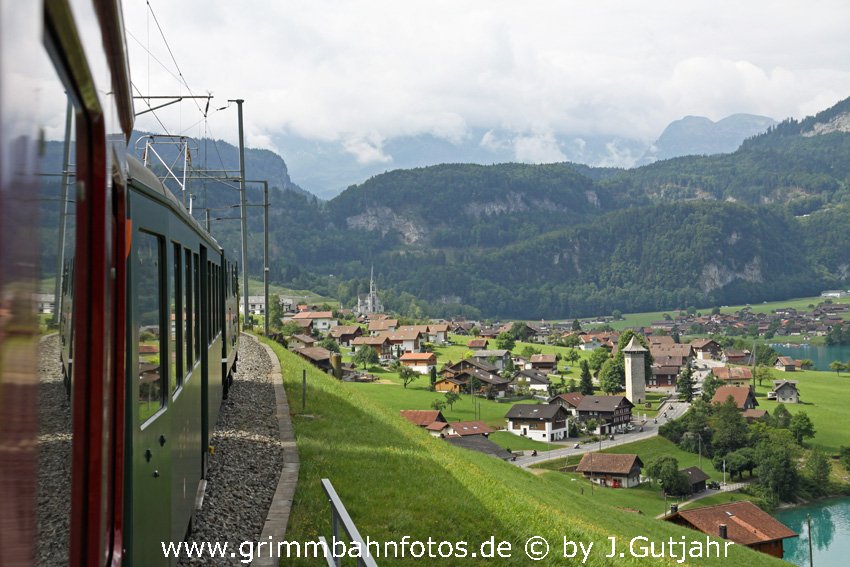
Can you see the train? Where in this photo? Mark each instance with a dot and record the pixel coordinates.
(149, 318)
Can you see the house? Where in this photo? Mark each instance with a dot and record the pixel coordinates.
(537, 382)
(438, 333)
(431, 420)
(490, 384)
(742, 522)
(609, 469)
(305, 326)
(733, 375)
(317, 356)
(589, 342)
(734, 356)
(707, 349)
(256, 304)
(465, 428)
(481, 444)
(45, 303)
(569, 401)
(322, 320)
(785, 364)
(455, 368)
(743, 396)
(344, 334)
(696, 479)
(785, 391)
(611, 413)
(381, 345)
(379, 326)
(541, 422)
(451, 384)
(401, 341)
(499, 357)
(544, 362)
(478, 344)
(421, 362)
(663, 377)
(301, 341)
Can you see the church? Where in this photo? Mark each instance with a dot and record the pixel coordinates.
(369, 303)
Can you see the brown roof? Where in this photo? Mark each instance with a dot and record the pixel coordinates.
(421, 328)
(471, 428)
(314, 315)
(438, 327)
(733, 373)
(602, 403)
(316, 354)
(478, 343)
(341, 330)
(738, 393)
(423, 356)
(369, 341)
(544, 358)
(695, 475)
(608, 463)
(422, 418)
(702, 343)
(382, 324)
(754, 413)
(746, 523)
(572, 398)
(786, 361)
(306, 339)
(403, 335)
(436, 426)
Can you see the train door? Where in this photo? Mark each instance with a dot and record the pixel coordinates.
(149, 337)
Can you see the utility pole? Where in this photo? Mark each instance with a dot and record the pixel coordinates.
(244, 210)
(63, 216)
(811, 555)
(266, 257)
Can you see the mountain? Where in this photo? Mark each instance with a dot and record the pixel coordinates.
(697, 135)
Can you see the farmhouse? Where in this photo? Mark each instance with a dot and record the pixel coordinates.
(478, 344)
(465, 428)
(785, 391)
(536, 381)
(707, 349)
(421, 362)
(381, 345)
(431, 420)
(541, 422)
(344, 334)
(609, 469)
(734, 356)
(742, 396)
(696, 479)
(663, 377)
(612, 413)
(379, 326)
(733, 376)
(409, 340)
(544, 362)
(499, 357)
(741, 522)
(300, 341)
(785, 364)
(438, 333)
(322, 320)
(569, 401)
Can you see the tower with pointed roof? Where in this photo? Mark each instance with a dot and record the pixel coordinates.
(634, 354)
(370, 303)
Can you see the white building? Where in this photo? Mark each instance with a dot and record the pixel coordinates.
(541, 422)
(322, 320)
(369, 303)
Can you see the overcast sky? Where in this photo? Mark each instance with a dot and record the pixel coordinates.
(359, 73)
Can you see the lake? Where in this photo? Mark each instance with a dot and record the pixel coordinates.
(830, 529)
(820, 355)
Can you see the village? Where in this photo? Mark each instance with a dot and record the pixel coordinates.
(540, 400)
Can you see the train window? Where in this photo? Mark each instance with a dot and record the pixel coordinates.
(209, 303)
(197, 311)
(187, 313)
(175, 376)
(149, 347)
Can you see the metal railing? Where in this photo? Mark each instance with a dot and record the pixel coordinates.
(339, 516)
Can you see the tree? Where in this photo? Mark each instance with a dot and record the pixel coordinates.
(520, 331)
(572, 356)
(576, 325)
(598, 357)
(777, 469)
(617, 314)
(438, 404)
(765, 355)
(433, 377)
(610, 378)
(329, 344)
(818, 470)
(585, 386)
(366, 355)
(665, 470)
(781, 418)
(572, 341)
(730, 428)
(505, 341)
(275, 313)
(763, 373)
(289, 329)
(407, 375)
(801, 426)
(844, 457)
(709, 387)
(685, 384)
(806, 363)
(838, 366)
(451, 398)
(737, 462)
(475, 331)
(528, 351)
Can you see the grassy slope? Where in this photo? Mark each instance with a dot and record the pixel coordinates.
(396, 480)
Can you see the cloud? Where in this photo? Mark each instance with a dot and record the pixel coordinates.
(367, 150)
(538, 148)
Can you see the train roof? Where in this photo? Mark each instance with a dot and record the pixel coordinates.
(147, 179)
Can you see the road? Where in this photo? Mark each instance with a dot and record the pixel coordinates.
(732, 487)
(673, 410)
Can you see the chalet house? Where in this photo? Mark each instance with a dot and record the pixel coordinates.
(459, 382)
(541, 422)
(544, 362)
(733, 376)
(741, 522)
(322, 320)
(662, 378)
(569, 401)
(455, 368)
(743, 396)
(612, 413)
(785, 391)
(500, 357)
(380, 326)
(317, 356)
(660, 352)
(537, 381)
(482, 445)
(421, 362)
(438, 333)
(409, 340)
(478, 344)
(609, 469)
(305, 326)
(451, 384)
(707, 349)
(696, 479)
(661, 340)
(300, 341)
(430, 420)
(256, 304)
(344, 334)
(589, 342)
(380, 344)
(785, 364)
(46, 303)
(733, 356)
(466, 428)
(488, 332)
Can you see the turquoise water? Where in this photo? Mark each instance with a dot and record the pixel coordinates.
(830, 530)
(820, 355)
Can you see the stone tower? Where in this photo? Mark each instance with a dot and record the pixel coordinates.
(635, 372)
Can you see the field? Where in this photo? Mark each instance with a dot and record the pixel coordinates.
(396, 480)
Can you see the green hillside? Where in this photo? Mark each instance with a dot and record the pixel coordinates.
(396, 480)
